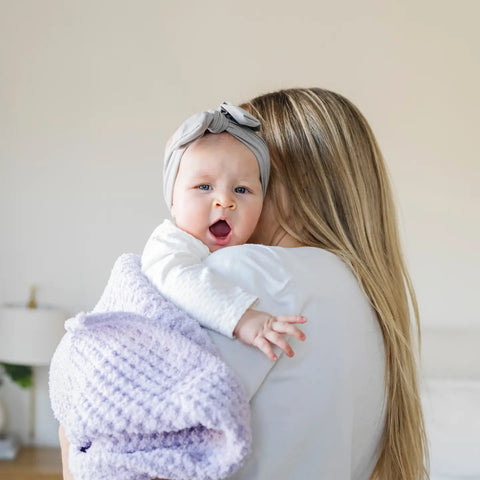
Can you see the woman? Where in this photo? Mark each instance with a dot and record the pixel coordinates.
(347, 405)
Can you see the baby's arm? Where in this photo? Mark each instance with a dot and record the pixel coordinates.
(174, 261)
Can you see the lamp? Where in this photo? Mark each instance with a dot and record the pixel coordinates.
(29, 336)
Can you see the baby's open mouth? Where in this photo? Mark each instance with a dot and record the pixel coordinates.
(220, 229)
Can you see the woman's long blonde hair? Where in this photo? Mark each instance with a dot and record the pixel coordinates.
(326, 159)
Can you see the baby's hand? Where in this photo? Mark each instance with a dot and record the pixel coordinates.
(263, 330)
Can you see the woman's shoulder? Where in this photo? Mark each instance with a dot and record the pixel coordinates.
(310, 266)
(284, 278)
(263, 255)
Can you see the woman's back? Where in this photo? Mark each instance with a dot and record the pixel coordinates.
(320, 413)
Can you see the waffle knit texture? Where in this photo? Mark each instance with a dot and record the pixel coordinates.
(142, 392)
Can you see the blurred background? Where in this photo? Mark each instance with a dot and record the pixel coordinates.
(90, 91)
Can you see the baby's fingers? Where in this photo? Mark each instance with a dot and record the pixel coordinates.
(263, 345)
(288, 329)
(291, 318)
(280, 341)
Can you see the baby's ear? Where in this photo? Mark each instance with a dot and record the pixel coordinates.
(172, 210)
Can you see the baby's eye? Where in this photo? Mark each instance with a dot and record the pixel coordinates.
(240, 190)
(204, 186)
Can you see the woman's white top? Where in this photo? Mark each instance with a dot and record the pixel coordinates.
(320, 414)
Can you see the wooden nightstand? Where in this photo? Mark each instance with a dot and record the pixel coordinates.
(33, 463)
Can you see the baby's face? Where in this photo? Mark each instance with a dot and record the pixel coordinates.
(218, 196)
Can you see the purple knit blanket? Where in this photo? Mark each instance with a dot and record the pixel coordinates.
(143, 393)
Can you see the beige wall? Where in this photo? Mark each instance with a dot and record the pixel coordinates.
(91, 89)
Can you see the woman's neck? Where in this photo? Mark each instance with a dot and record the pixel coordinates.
(283, 239)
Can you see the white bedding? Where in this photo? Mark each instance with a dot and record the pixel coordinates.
(452, 418)
(451, 402)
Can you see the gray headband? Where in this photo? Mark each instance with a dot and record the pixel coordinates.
(227, 118)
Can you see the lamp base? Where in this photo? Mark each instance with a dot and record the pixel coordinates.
(9, 447)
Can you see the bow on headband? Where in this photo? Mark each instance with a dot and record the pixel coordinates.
(227, 118)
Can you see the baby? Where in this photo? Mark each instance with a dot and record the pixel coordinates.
(215, 179)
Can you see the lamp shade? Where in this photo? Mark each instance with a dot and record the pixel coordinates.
(29, 336)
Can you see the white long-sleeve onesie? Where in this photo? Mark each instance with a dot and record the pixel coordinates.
(173, 260)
